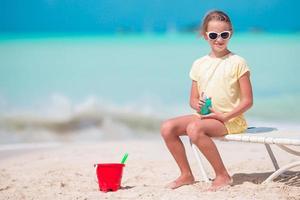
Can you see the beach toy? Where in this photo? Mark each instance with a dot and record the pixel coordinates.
(110, 175)
(124, 158)
(205, 109)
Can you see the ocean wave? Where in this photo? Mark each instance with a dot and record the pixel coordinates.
(62, 116)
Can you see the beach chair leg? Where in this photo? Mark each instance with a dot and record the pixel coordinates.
(289, 150)
(196, 153)
(270, 152)
(280, 171)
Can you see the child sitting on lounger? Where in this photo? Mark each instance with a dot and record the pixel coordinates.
(225, 78)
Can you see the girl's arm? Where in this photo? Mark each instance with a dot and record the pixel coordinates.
(245, 103)
(246, 97)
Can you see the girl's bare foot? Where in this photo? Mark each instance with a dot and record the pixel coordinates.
(220, 182)
(180, 181)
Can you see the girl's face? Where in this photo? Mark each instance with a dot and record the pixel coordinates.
(219, 44)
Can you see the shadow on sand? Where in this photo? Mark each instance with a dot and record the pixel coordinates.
(290, 178)
(260, 129)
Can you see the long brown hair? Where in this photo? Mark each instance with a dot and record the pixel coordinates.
(215, 15)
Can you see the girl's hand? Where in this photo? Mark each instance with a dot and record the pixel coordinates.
(215, 115)
(201, 102)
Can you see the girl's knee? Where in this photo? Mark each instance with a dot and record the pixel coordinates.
(167, 128)
(195, 131)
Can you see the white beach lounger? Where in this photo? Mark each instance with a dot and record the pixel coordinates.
(266, 136)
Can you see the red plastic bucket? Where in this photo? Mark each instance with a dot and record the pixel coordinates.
(109, 176)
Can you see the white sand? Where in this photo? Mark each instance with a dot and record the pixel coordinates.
(66, 172)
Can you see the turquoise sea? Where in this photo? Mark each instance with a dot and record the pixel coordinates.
(93, 87)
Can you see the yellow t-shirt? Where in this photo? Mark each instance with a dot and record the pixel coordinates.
(218, 79)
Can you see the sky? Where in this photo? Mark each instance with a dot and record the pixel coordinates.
(108, 16)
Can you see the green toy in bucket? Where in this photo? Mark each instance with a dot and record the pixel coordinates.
(110, 174)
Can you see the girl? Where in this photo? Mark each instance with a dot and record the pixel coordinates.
(224, 77)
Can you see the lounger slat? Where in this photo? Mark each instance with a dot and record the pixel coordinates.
(261, 139)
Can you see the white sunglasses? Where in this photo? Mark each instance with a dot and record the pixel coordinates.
(225, 35)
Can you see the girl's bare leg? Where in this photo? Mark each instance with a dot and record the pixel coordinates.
(200, 132)
(170, 131)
